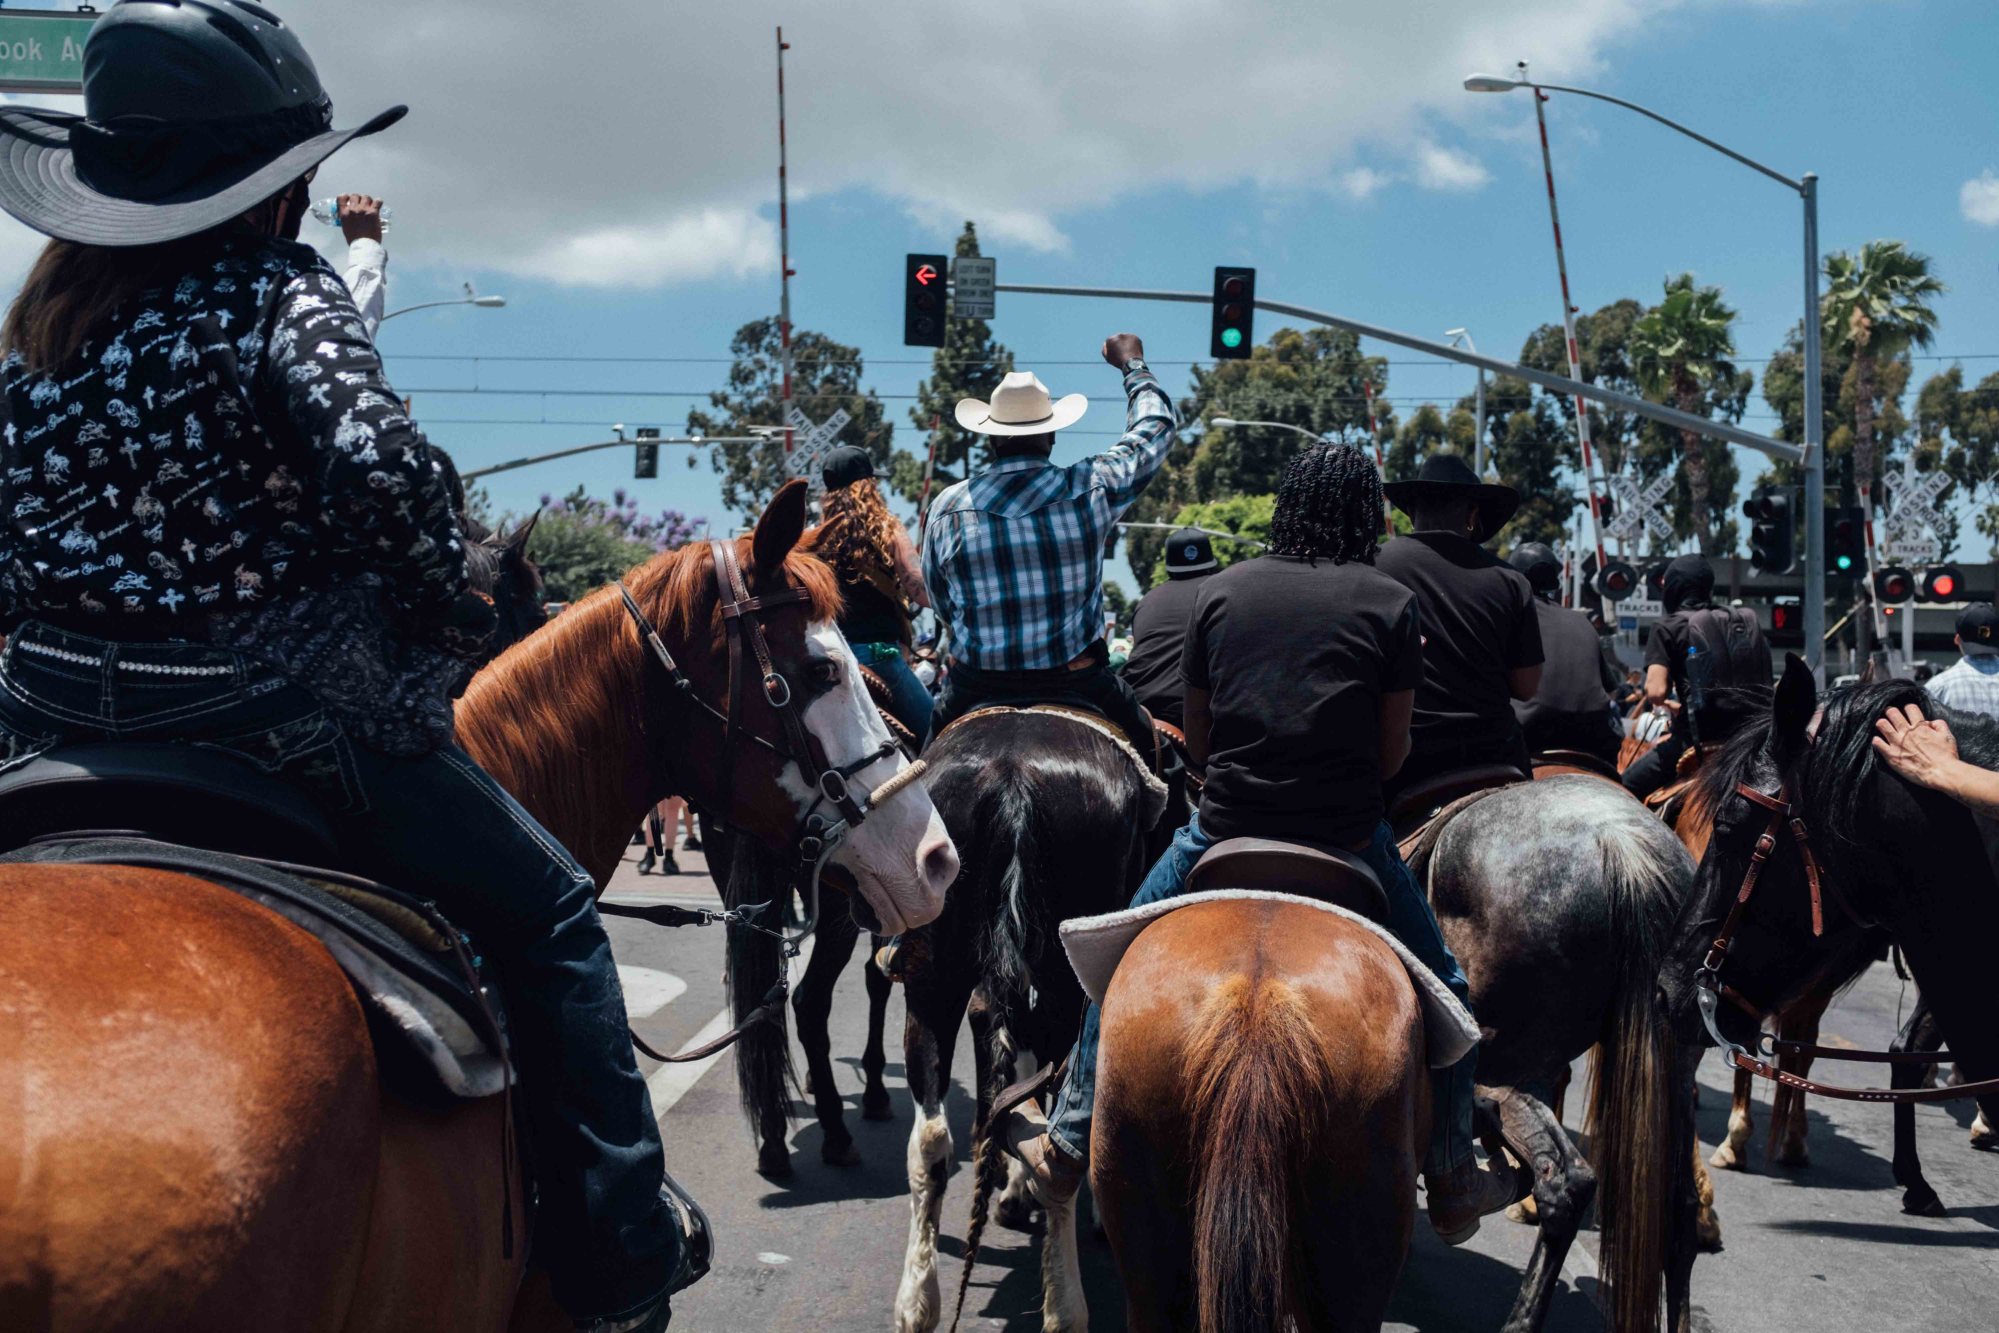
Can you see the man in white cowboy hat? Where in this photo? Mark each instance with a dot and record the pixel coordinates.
(1014, 556)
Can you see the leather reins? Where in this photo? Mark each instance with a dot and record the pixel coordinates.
(1710, 988)
(817, 835)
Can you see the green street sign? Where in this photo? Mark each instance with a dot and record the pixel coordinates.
(41, 50)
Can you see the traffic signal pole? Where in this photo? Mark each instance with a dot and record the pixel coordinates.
(1814, 459)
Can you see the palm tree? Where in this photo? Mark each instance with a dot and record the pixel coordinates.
(1877, 304)
(1678, 349)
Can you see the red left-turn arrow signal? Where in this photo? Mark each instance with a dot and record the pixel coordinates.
(926, 275)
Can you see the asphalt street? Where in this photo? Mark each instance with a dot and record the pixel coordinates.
(1824, 1247)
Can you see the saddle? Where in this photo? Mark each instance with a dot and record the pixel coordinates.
(1424, 801)
(1577, 759)
(1309, 870)
(1171, 740)
(431, 1008)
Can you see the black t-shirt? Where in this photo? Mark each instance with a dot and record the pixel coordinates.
(1158, 634)
(1295, 658)
(1478, 624)
(1572, 677)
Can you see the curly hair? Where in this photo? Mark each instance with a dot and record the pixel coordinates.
(1329, 504)
(858, 532)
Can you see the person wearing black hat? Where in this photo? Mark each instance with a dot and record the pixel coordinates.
(1159, 627)
(1571, 708)
(870, 551)
(1481, 634)
(1971, 684)
(1707, 665)
(222, 529)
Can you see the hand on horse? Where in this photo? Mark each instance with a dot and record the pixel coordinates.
(1923, 751)
(1121, 349)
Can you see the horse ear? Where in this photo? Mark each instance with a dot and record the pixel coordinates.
(782, 524)
(517, 540)
(1797, 700)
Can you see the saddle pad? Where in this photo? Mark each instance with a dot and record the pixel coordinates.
(1155, 788)
(405, 974)
(1096, 944)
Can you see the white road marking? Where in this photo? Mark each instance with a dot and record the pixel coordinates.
(648, 990)
(772, 1257)
(669, 1083)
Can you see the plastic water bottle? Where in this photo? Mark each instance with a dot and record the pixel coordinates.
(328, 212)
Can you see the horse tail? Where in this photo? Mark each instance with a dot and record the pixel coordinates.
(1260, 1082)
(988, 1161)
(1632, 1070)
(765, 1078)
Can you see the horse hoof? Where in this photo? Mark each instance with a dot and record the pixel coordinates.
(840, 1154)
(1923, 1203)
(1724, 1159)
(1017, 1214)
(1525, 1212)
(1983, 1136)
(877, 1107)
(1794, 1155)
(774, 1162)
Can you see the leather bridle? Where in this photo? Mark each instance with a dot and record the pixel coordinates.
(1710, 989)
(819, 832)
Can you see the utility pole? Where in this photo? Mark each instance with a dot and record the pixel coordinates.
(783, 244)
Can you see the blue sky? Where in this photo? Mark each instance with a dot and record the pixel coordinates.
(1331, 150)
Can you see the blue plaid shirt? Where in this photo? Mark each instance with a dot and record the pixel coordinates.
(1014, 557)
(1972, 686)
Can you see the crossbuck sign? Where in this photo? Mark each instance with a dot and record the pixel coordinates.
(813, 443)
(1638, 508)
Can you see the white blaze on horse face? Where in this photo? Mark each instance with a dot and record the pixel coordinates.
(901, 854)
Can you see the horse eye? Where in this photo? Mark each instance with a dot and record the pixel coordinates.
(825, 671)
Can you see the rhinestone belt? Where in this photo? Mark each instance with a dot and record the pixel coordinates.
(143, 668)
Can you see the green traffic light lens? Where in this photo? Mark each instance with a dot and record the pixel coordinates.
(1231, 337)
(1844, 562)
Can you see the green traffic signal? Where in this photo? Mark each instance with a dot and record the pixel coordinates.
(1231, 337)
(1845, 562)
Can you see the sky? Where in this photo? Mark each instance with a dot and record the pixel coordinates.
(611, 169)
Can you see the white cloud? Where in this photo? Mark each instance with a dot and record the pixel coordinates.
(1979, 200)
(635, 143)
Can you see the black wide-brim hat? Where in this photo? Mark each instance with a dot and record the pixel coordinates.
(1449, 477)
(195, 113)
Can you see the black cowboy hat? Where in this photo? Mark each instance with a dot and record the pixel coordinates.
(1449, 477)
(195, 111)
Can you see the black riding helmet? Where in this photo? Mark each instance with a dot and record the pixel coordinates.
(195, 111)
(1689, 579)
(1543, 568)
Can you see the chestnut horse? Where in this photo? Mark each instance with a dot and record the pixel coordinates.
(193, 1135)
(1262, 1113)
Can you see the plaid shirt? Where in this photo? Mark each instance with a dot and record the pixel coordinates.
(1972, 686)
(1014, 557)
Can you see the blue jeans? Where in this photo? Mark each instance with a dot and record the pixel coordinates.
(1409, 920)
(438, 826)
(908, 700)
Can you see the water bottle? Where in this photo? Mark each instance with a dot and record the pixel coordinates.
(328, 212)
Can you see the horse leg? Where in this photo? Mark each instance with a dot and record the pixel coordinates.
(1564, 1184)
(875, 1104)
(1687, 1196)
(930, 1031)
(1799, 1023)
(1732, 1153)
(812, 1003)
(1918, 1034)
(1063, 1307)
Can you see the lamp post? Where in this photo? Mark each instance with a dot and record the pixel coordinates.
(1813, 461)
(1230, 423)
(1478, 449)
(470, 298)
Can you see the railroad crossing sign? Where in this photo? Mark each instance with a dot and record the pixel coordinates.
(41, 50)
(972, 280)
(1920, 550)
(1916, 517)
(1638, 507)
(812, 443)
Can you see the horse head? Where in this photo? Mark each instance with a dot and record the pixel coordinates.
(787, 655)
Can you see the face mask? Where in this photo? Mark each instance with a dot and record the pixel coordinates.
(292, 213)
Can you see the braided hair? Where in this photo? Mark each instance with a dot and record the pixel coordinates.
(1329, 504)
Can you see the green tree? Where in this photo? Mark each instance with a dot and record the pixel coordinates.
(826, 377)
(1533, 451)
(970, 364)
(1878, 305)
(1683, 352)
(1244, 515)
(581, 542)
(1314, 379)
(1603, 340)
(1429, 430)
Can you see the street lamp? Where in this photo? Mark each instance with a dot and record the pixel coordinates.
(1230, 423)
(1455, 335)
(1813, 462)
(470, 298)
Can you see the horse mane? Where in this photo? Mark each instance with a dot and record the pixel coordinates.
(545, 716)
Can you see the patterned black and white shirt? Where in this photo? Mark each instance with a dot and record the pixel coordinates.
(226, 462)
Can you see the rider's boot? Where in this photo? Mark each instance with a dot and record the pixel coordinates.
(1052, 1173)
(1465, 1194)
(697, 1250)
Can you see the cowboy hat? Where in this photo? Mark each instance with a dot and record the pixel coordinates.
(1020, 406)
(194, 113)
(1449, 477)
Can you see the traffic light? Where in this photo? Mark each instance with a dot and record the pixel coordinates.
(1617, 581)
(1773, 529)
(1787, 621)
(1235, 314)
(1941, 583)
(1655, 581)
(923, 300)
(645, 466)
(1845, 539)
(1893, 585)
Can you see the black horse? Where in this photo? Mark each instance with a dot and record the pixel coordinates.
(497, 564)
(1893, 857)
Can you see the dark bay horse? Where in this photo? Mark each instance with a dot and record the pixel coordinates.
(1053, 820)
(1262, 1113)
(1557, 897)
(294, 1192)
(1893, 857)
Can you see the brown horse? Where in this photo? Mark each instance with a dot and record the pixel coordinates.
(192, 1132)
(1262, 1112)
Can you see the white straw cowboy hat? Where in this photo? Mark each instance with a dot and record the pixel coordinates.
(1021, 406)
